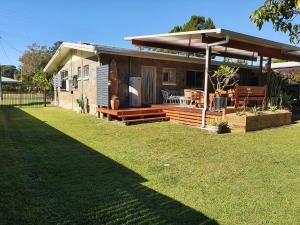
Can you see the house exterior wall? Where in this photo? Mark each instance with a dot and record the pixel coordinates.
(132, 67)
(86, 87)
(127, 67)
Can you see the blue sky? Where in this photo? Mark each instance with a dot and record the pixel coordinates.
(108, 22)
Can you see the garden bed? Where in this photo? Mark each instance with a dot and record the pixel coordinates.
(251, 122)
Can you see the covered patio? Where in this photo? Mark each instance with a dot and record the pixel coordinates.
(221, 44)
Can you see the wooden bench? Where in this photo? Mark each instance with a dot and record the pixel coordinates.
(246, 94)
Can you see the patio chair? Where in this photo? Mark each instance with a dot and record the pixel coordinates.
(198, 97)
(168, 98)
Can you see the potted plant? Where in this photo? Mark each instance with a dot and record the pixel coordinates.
(80, 104)
(215, 126)
(114, 102)
(224, 77)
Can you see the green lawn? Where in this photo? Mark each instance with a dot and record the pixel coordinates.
(59, 167)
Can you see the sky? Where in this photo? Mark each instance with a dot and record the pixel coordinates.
(23, 22)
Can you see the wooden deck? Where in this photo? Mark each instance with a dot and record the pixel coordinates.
(175, 113)
(187, 115)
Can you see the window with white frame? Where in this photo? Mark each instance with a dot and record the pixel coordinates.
(64, 78)
(86, 71)
(169, 76)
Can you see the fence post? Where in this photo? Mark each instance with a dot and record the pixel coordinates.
(45, 99)
(1, 94)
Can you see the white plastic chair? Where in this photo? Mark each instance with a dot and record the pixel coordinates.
(167, 98)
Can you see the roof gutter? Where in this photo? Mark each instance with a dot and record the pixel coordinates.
(207, 60)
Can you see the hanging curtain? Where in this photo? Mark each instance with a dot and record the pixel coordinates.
(148, 85)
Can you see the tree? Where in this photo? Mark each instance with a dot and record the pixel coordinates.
(8, 71)
(42, 80)
(281, 13)
(195, 23)
(35, 58)
(55, 46)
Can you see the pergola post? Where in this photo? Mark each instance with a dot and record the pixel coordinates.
(261, 61)
(269, 71)
(207, 64)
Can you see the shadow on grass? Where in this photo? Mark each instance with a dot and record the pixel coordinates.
(296, 117)
(51, 178)
(28, 104)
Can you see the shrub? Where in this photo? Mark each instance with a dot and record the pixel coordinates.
(256, 110)
(240, 113)
(273, 108)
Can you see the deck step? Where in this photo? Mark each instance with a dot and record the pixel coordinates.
(139, 111)
(143, 114)
(145, 120)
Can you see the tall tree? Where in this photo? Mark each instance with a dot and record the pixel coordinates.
(55, 46)
(195, 23)
(8, 71)
(281, 13)
(34, 59)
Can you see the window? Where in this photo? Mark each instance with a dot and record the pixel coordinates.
(86, 71)
(79, 72)
(75, 82)
(169, 76)
(64, 78)
(194, 79)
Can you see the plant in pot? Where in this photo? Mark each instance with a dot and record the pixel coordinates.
(223, 78)
(215, 126)
(80, 104)
(114, 102)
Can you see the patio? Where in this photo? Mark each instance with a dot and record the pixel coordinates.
(227, 44)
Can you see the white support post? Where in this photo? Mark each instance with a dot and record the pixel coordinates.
(207, 62)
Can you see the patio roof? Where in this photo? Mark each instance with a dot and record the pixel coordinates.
(240, 46)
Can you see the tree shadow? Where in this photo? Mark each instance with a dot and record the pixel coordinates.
(58, 180)
(296, 117)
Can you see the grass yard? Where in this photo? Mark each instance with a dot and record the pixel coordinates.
(59, 167)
